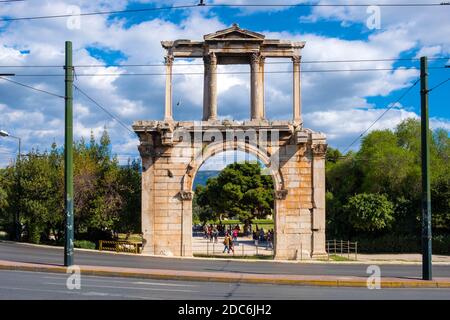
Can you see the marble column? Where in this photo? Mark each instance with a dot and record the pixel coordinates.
(212, 87)
(206, 79)
(261, 85)
(168, 105)
(297, 106)
(256, 90)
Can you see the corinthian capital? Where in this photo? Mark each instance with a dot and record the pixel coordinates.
(296, 59)
(255, 58)
(212, 58)
(168, 60)
(319, 150)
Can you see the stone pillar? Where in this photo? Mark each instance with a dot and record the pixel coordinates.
(319, 148)
(256, 94)
(261, 85)
(186, 223)
(297, 107)
(212, 87)
(168, 105)
(147, 202)
(206, 79)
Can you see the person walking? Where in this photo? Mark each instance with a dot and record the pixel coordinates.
(269, 240)
(235, 235)
(231, 246)
(210, 233)
(226, 243)
(261, 235)
(215, 234)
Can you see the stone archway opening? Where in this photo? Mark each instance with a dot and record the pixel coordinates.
(233, 192)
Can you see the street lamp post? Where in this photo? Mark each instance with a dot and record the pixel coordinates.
(17, 228)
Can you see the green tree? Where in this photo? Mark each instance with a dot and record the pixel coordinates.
(370, 212)
(240, 190)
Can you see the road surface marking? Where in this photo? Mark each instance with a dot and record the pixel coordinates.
(130, 288)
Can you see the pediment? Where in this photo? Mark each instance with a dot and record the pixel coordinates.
(234, 33)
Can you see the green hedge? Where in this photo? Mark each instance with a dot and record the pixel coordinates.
(401, 244)
(84, 244)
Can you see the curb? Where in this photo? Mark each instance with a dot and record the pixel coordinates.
(228, 277)
(357, 262)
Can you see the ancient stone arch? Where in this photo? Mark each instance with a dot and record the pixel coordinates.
(173, 151)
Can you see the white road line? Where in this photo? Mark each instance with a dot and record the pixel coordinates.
(129, 288)
(85, 278)
(40, 290)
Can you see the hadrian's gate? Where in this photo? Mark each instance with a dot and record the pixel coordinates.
(172, 151)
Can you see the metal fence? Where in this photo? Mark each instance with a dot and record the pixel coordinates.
(342, 248)
(240, 248)
(120, 246)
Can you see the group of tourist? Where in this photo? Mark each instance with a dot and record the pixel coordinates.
(261, 236)
(212, 233)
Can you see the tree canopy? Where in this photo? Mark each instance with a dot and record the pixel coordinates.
(106, 198)
(378, 189)
(240, 190)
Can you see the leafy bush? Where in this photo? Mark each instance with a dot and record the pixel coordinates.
(84, 244)
(370, 212)
(391, 243)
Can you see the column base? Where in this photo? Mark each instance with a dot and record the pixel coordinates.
(319, 255)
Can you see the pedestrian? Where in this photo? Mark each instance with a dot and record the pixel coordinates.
(269, 240)
(235, 235)
(261, 235)
(226, 243)
(215, 234)
(255, 237)
(231, 246)
(205, 231)
(210, 233)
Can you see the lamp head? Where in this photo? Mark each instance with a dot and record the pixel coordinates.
(4, 133)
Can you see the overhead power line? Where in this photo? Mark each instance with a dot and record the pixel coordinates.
(32, 88)
(201, 64)
(100, 13)
(439, 84)
(389, 107)
(227, 72)
(203, 5)
(104, 109)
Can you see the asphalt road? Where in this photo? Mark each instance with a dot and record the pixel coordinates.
(49, 255)
(19, 285)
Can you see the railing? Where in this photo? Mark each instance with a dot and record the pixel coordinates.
(120, 246)
(342, 248)
(241, 248)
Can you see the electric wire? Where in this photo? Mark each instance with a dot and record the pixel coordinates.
(389, 107)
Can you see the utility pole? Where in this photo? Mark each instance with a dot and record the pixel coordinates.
(426, 197)
(68, 157)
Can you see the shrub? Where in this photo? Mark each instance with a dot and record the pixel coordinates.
(401, 244)
(370, 212)
(84, 244)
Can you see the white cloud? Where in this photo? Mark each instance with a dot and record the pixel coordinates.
(329, 99)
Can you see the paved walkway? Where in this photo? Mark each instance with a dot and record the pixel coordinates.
(399, 257)
(245, 246)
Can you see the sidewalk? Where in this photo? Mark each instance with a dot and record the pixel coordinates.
(325, 281)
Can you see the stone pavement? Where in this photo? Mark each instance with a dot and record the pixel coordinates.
(232, 277)
(245, 247)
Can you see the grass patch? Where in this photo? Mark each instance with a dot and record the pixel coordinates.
(132, 237)
(335, 257)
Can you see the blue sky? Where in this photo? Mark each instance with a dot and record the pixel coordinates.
(341, 105)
